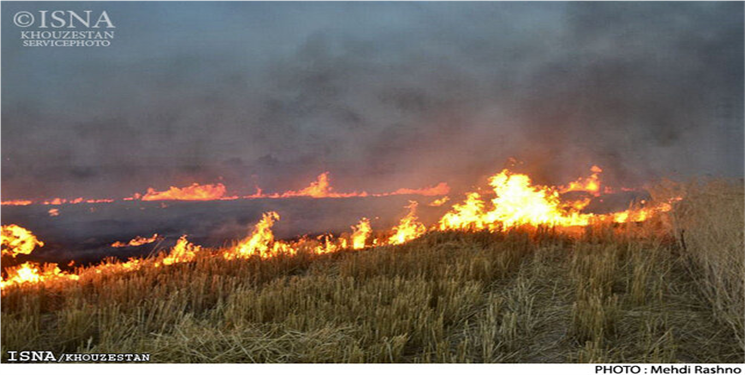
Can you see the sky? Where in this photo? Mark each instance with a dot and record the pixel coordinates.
(381, 95)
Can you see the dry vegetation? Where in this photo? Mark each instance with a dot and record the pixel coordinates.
(670, 290)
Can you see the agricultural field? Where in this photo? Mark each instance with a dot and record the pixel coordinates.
(666, 289)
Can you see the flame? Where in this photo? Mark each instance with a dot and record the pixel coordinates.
(184, 251)
(513, 201)
(261, 242)
(137, 241)
(61, 201)
(589, 185)
(326, 244)
(432, 191)
(17, 202)
(17, 240)
(320, 188)
(113, 266)
(517, 202)
(361, 232)
(54, 201)
(643, 213)
(53, 212)
(194, 192)
(408, 228)
(439, 202)
(258, 194)
(32, 273)
(466, 215)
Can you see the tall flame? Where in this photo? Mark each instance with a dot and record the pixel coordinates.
(466, 215)
(408, 228)
(261, 242)
(517, 202)
(361, 232)
(184, 251)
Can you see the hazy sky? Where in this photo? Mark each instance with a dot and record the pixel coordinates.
(382, 95)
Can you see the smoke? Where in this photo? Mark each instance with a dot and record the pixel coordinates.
(382, 95)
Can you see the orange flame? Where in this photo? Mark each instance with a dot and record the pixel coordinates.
(516, 202)
(432, 191)
(439, 202)
(590, 184)
(17, 202)
(113, 266)
(643, 213)
(408, 228)
(17, 240)
(194, 192)
(184, 251)
(54, 201)
(261, 242)
(137, 241)
(53, 212)
(60, 201)
(32, 273)
(361, 232)
(466, 215)
(321, 188)
(327, 245)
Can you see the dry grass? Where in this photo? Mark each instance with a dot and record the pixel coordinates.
(666, 291)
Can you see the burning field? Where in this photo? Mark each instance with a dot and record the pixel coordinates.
(366, 182)
(509, 272)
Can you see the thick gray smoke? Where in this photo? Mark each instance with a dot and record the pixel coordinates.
(382, 95)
